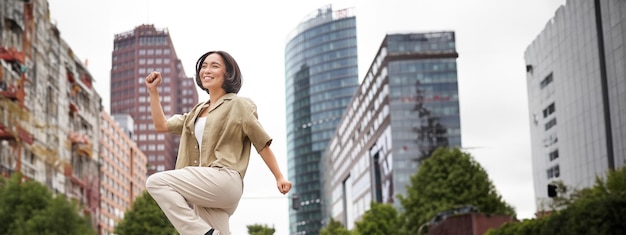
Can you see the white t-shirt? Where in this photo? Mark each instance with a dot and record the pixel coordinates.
(199, 129)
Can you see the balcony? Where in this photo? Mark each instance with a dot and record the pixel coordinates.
(80, 144)
(12, 55)
(82, 149)
(86, 79)
(7, 134)
(73, 107)
(70, 77)
(9, 92)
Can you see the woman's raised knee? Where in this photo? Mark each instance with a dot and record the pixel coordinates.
(154, 181)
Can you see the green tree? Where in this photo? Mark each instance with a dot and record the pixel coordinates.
(28, 207)
(597, 210)
(258, 229)
(526, 227)
(449, 178)
(145, 217)
(334, 227)
(381, 218)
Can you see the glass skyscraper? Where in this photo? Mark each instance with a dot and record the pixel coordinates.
(405, 108)
(321, 75)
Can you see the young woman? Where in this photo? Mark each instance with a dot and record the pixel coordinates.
(214, 151)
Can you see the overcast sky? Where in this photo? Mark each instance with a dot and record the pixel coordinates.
(491, 37)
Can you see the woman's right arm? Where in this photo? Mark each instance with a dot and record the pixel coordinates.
(158, 116)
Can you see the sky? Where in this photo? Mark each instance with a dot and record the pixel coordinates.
(491, 37)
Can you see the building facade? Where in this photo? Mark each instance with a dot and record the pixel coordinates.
(49, 109)
(137, 53)
(321, 76)
(576, 81)
(122, 170)
(406, 106)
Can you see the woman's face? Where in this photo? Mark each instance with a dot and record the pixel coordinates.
(212, 72)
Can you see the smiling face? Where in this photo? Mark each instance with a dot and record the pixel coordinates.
(217, 71)
(212, 72)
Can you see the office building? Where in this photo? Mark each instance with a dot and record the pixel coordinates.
(137, 53)
(321, 76)
(406, 106)
(576, 82)
(122, 170)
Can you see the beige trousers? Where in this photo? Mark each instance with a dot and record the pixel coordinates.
(214, 194)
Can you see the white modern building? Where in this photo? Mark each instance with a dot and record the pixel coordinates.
(576, 83)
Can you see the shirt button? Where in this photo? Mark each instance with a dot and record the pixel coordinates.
(195, 162)
(196, 147)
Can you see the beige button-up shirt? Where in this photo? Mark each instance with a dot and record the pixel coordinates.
(231, 127)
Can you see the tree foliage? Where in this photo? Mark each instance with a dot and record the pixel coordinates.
(449, 178)
(381, 218)
(597, 210)
(258, 229)
(28, 207)
(145, 217)
(334, 227)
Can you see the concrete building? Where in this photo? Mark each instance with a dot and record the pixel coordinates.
(49, 109)
(576, 81)
(321, 75)
(137, 53)
(406, 106)
(122, 170)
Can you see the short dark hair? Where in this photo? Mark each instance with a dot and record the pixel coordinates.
(232, 78)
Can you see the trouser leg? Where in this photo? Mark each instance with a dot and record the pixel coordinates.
(218, 218)
(214, 192)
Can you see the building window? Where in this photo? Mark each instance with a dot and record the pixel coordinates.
(550, 124)
(546, 81)
(549, 110)
(554, 155)
(554, 172)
